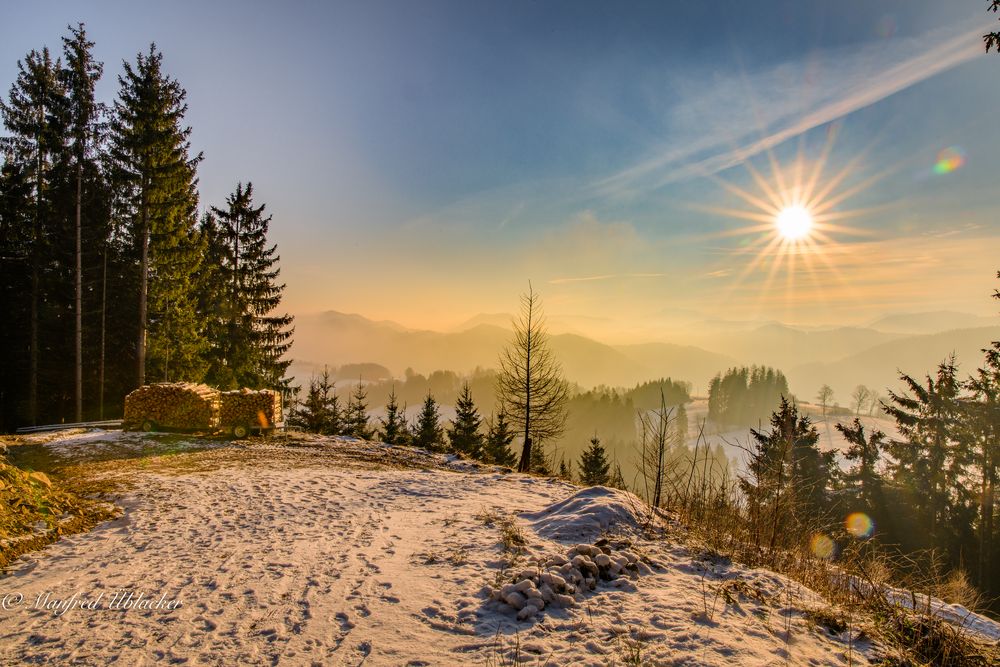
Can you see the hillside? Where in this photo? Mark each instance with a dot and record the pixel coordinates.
(321, 550)
(842, 357)
(680, 362)
(335, 338)
(931, 322)
(878, 367)
(784, 346)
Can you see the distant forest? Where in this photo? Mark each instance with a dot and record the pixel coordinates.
(745, 396)
(112, 272)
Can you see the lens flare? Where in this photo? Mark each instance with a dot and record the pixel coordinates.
(948, 160)
(886, 27)
(859, 525)
(822, 546)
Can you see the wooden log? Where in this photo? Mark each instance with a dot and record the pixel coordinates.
(173, 405)
(255, 409)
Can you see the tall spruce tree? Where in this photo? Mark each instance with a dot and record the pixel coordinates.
(787, 476)
(464, 434)
(394, 429)
(931, 458)
(983, 428)
(356, 420)
(80, 76)
(496, 446)
(595, 469)
(154, 178)
(427, 431)
(34, 115)
(867, 452)
(248, 345)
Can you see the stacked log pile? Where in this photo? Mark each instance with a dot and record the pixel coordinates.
(255, 409)
(176, 405)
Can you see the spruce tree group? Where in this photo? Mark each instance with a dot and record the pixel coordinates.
(319, 411)
(34, 117)
(101, 248)
(744, 396)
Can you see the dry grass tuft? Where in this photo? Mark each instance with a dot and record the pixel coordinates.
(37, 509)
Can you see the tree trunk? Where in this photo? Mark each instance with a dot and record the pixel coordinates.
(79, 299)
(33, 355)
(525, 463)
(143, 289)
(104, 298)
(986, 514)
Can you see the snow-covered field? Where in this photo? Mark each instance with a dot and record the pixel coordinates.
(347, 553)
(732, 441)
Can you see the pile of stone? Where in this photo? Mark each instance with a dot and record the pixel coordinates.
(563, 581)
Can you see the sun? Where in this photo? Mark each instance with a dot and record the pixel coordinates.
(794, 222)
(798, 216)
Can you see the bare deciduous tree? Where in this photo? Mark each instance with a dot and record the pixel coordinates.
(860, 397)
(530, 385)
(824, 397)
(657, 432)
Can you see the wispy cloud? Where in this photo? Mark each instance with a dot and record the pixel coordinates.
(610, 276)
(731, 118)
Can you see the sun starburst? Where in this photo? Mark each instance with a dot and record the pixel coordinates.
(797, 219)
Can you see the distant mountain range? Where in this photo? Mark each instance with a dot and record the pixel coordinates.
(841, 357)
(931, 322)
(878, 367)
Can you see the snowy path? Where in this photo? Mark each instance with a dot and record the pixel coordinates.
(327, 565)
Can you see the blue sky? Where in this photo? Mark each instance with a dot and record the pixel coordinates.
(424, 160)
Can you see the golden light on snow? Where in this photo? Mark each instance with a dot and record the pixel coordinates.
(794, 222)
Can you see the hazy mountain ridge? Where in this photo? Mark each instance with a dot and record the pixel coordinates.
(931, 322)
(878, 367)
(842, 357)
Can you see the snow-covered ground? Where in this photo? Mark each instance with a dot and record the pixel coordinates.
(331, 551)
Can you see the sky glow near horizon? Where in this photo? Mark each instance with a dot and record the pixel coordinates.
(424, 161)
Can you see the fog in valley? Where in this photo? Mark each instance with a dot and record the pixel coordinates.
(386, 355)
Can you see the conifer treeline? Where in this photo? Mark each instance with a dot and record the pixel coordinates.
(745, 395)
(108, 277)
(321, 411)
(930, 494)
